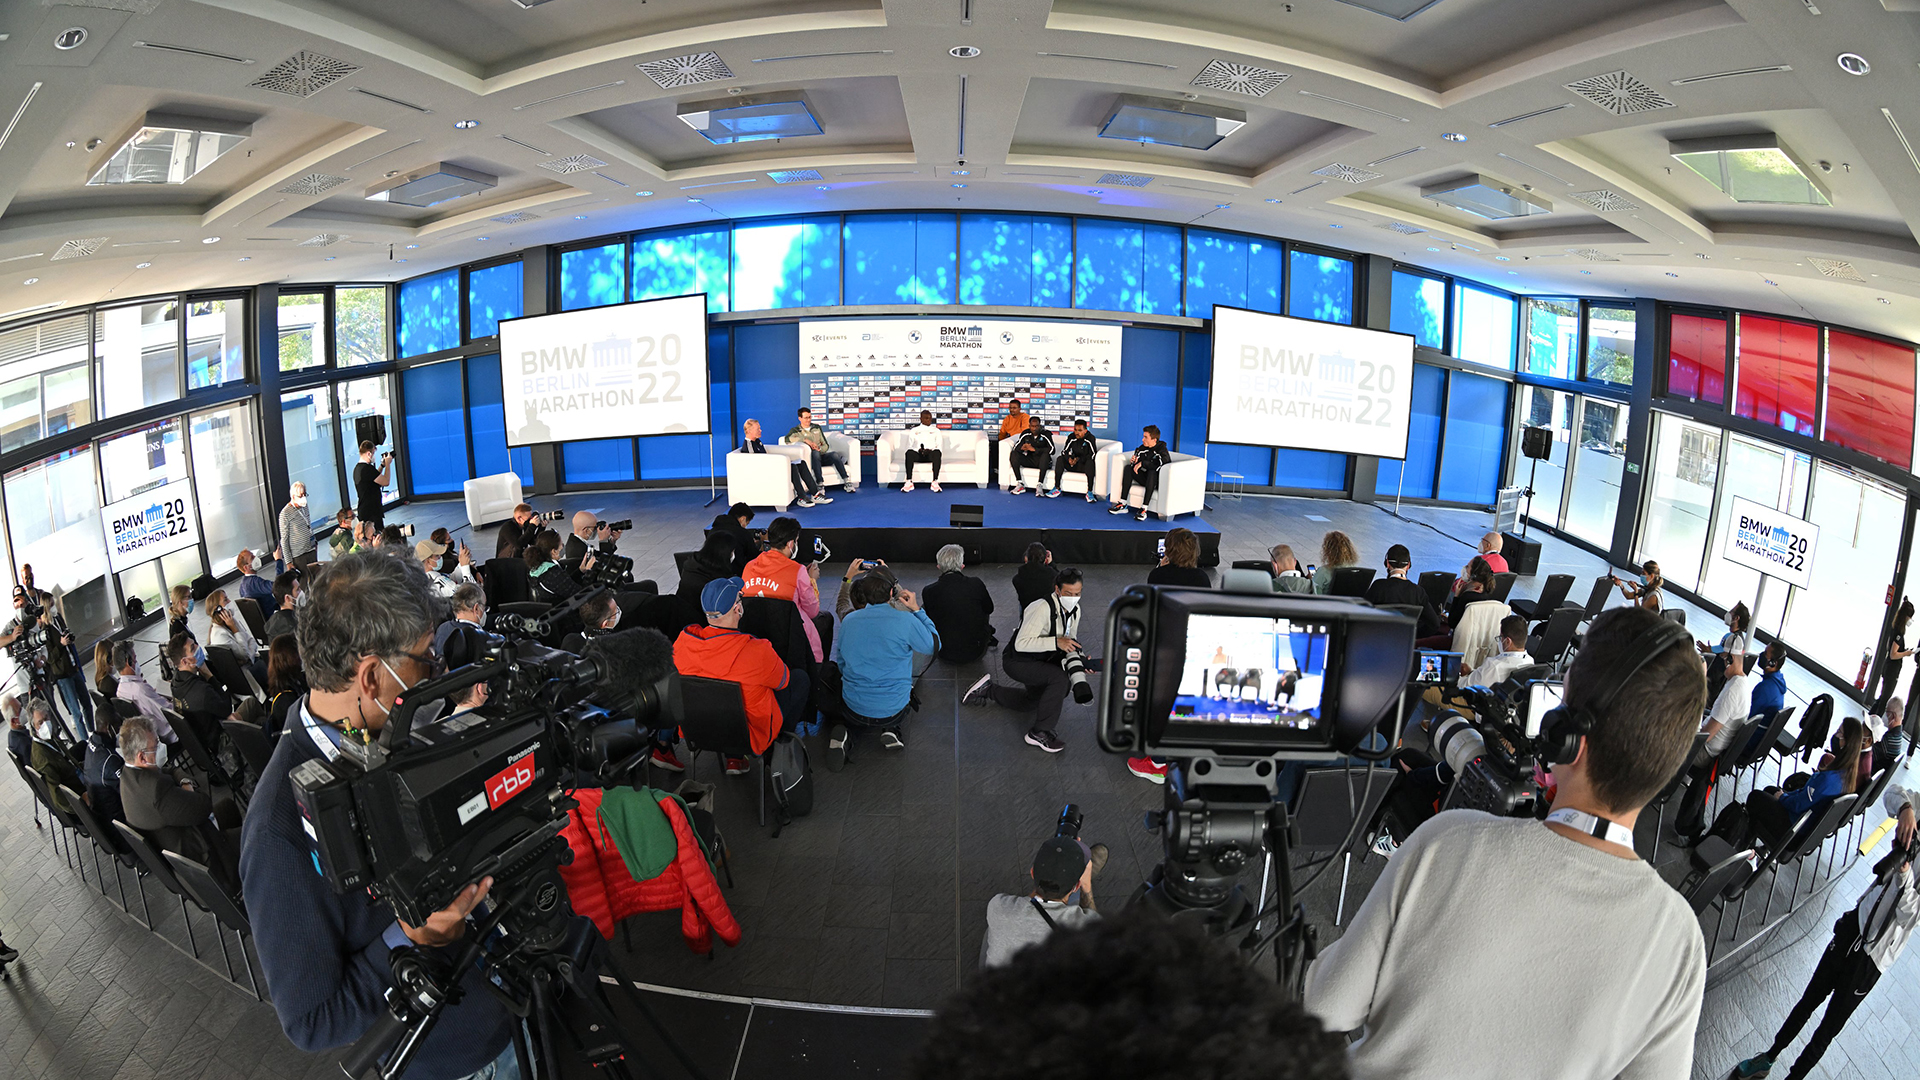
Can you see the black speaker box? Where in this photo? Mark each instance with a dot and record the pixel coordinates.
(1522, 554)
(371, 429)
(1536, 442)
(968, 516)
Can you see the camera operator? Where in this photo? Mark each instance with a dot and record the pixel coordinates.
(1866, 943)
(589, 534)
(365, 637)
(1047, 636)
(1063, 872)
(40, 642)
(369, 484)
(1452, 939)
(1492, 671)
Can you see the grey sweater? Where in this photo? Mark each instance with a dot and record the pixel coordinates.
(1495, 947)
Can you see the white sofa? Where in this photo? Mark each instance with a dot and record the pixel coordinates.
(1074, 483)
(848, 448)
(963, 458)
(492, 498)
(1182, 488)
(763, 479)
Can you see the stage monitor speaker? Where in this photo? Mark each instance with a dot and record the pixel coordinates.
(371, 429)
(968, 515)
(1536, 442)
(1522, 554)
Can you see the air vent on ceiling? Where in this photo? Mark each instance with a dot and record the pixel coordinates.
(1351, 175)
(74, 249)
(1239, 78)
(1401, 227)
(516, 217)
(1619, 93)
(377, 96)
(793, 176)
(431, 185)
(1603, 199)
(183, 50)
(575, 163)
(1120, 179)
(38, 339)
(304, 74)
(314, 183)
(678, 71)
(325, 239)
(1592, 254)
(1837, 268)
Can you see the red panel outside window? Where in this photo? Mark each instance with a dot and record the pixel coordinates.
(1697, 358)
(1779, 373)
(1870, 396)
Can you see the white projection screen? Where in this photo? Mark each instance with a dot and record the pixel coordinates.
(1297, 384)
(606, 372)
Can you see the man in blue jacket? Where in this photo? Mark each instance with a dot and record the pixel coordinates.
(365, 637)
(877, 647)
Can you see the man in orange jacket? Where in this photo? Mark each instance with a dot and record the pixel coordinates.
(775, 697)
(775, 572)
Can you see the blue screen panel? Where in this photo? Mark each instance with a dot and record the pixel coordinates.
(593, 277)
(684, 457)
(934, 258)
(1216, 272)
(1151, 361)
(493, 293)
(596, 461)
(1420, 308)
(1423, 437)
(430, 313)
(1127, 266)
(786, 263)
(436, 428)
(1264, 272)
(681, 262)
(766, 379)
(996, 259)
(1160, 275)
(1316, 470)
(900, 258)
(1476, 439)
(1320, 287)
(1053, 262)
(487, 422)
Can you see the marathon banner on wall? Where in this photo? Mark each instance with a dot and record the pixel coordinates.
(959, 345)
(156, 522)
(1774, 543)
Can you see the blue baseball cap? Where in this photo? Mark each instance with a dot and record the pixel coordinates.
(719, 595)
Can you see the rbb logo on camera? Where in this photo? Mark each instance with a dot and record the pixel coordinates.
(512, 780)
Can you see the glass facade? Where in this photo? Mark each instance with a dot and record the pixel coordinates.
(1681, 477)
(1552, 338)
(137, 349)
(53, 516)
(1599, 459)
(360, 325)
(1420, 308)
(1860, 523)
(1697, 358)
(1771, 476)
(1870, 397)
(1483, 326)
(1610, 334)
(43, 381)
(313, 449)
(230, 480)
(216, 342)
(494, 293)
(429, 310)
(302, 330)
(1777, 373)
(1319, 287)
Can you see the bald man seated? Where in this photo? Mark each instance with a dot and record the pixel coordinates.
(589, 534)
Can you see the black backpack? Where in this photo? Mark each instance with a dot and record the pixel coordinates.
(790, 779)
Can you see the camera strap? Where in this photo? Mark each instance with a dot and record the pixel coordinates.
(1597, 827)
(1042, 909)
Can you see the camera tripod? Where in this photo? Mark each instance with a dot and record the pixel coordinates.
(550, 979)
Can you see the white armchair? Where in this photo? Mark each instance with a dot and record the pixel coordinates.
(492, 498)
(963, 458)
(762, 479)
(1182, 488)
(1073, 483)
(848, 448)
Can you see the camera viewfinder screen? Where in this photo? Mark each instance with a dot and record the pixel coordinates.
(1248, 671)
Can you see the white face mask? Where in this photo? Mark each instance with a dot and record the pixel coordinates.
(426, 714)
(159, 755)
(1069, 603)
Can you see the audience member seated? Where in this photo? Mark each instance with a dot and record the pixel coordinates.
(1735, 640)
(1063, 871)
(1180, 562)
(104, 680)
(1572, 887)
(251, 585)
(180, 605)
(960, 607)
(1894, 746)
(1829, 759)
(1646, 591)
(1034, 578)
(227, 630)
(19, 739)
(802, 477)
(443, 585)
(1474, 586)
(775, 573)
(1731, 708)
(599, 617)
(552, 580)
(1770, 692)
(133, 686)
(49, 759)
(877, 647)
(171, 812)
(714, 560)
(1771, 811)
(345, 538)
(1049, 629)
(203, 705)
(775, 697)
(469, 603)
(102, 768)
(286, 683)
(1490, 544)
(1287, 575)
(1336, 552)
(1396, 588)
(1034, 450)
(389, 538)
(286, 601)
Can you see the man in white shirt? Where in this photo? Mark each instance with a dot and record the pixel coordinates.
(1732, 707)
(132, 686)
(1416, 969)
(1493, 671)
(923, 445)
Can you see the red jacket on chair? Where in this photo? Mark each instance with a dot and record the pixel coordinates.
(603, 890)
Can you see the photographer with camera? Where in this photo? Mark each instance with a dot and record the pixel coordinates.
(444, 585)
(369, 484)
(776, 573)
(38, 641)
(1063, 872)
(591, 534)
(1866, 943)
(877, 647)
(1453, 936)
(1048, 659)
(365, 638)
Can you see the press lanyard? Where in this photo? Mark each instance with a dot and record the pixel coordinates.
(1597, 827)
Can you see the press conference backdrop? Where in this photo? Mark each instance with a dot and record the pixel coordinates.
(606, 372)
(1299, 384)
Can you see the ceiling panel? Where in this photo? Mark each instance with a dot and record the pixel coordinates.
(1066, 115)
(865, 114)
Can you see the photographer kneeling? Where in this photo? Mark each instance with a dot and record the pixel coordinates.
(1037, 656)
(365, 637)
(1449, 947)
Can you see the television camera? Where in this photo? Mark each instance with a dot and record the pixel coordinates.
(1496, 754)
(1228, 689)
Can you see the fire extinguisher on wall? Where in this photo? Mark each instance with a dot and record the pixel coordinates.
(1860, 680)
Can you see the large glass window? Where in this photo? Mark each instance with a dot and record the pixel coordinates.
(302, 331)
(43, 381)
(1319, 287)
(1553, 337)
(313, 450)
(681, 262)
(1593, 499)
(429, 309)
(1860, 520)
(216, 342)
(593, 277)
(1777, 372)
(1476, 433)
(1420, 308)
(1679, 515)
(436, 428)
(1770, 476)
(144, 458)
(53, 514)
(1697, 358)
(786, 263)
(228, 482)
(494, 293)
(1482, 326)
(1126, 266)
(138, 348)
(1870, 396)
(359, 399)
(1553, 410)
(1610, 333)
(360, 325)
(900, 258)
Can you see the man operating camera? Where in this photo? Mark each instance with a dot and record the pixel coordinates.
(365, 637)
(590, 534)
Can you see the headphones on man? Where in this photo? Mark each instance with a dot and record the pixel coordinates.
(1562, 728)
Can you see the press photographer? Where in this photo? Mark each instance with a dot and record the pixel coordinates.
(364, 637)
(592, 534)
(369, 485)
(1048, 659)
(1431, 955)
(41, 647)
(1063, 871)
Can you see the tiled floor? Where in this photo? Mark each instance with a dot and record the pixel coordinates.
(873, 900)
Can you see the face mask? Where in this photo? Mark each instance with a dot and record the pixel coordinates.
(300, 599)
(43, 732)
(200, 656)
(299, 500)
(1069, 603)
(159, 755)
(189, 605)
(427, 713)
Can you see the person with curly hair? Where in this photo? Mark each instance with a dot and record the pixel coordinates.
(1336, 551)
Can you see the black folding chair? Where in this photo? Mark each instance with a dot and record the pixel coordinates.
(1675, 615)
(102, 839)
(231, 671)
(505, 581)
(1438, 585)
(1254, 564)
(1667, 793)
(1503, 584)
(1331, 812)
(1553, 593)
(23, 769)
(251, 614)
(252, 744)
(1409, 610)
(1717, 868)
(716, 720)
(1351, 581)
(64, 825)
(1551, 643)
(1597, 597)
(226, 912)
(160, 870)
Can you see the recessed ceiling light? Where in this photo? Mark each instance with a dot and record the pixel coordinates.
(1672, 274)
(466, 125)
(246, 258)
(641, 194)
(31, 281)
(141, 266)
(71, 38)
(410, 247)
(959, 185)
(483, 238)
(695, 198)
(1273, 200)
(1453, 136)
(330, 258)
(1883, 299)
(579, 217)
(960, 172)
(1095, 191)
(1336, 226)
(209, 239)
(1589, 273)
(963, 52)
(1501, 258)
(1853, 63)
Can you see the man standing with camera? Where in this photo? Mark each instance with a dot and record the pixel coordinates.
(365, 637)
(369, 485)
(39, 642)
(1498, 946)
(1038, 656)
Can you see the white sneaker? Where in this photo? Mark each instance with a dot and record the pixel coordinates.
(1019, 489)
(821, 497)
(906, 487)
(804, 504)
(849, 488)
(935, 485)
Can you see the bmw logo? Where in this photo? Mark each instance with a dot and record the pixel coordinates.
(1006, 337)
(913, 336)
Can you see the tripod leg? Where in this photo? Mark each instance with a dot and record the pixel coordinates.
(601, 958)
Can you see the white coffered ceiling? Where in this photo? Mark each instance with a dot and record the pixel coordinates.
(376, 87)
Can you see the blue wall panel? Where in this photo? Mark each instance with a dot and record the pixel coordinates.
(596, 461)
(593, 277)
(1476, 439)
(429, 310)
(486, 415)
(1016, 259)
(493, 293)
(1313, 469)
(679, 262)
(1227, 268)
(900, 258)
(766, 374)
(1423, 438)
(1255, 463)
(681, 457)
(1127, 266)
(1320, 287)
(436, 428)
(783, 263)
(1150, 366)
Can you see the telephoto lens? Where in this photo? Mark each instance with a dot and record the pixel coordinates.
(1075, 665)
(1068, 827)
(625, 525)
